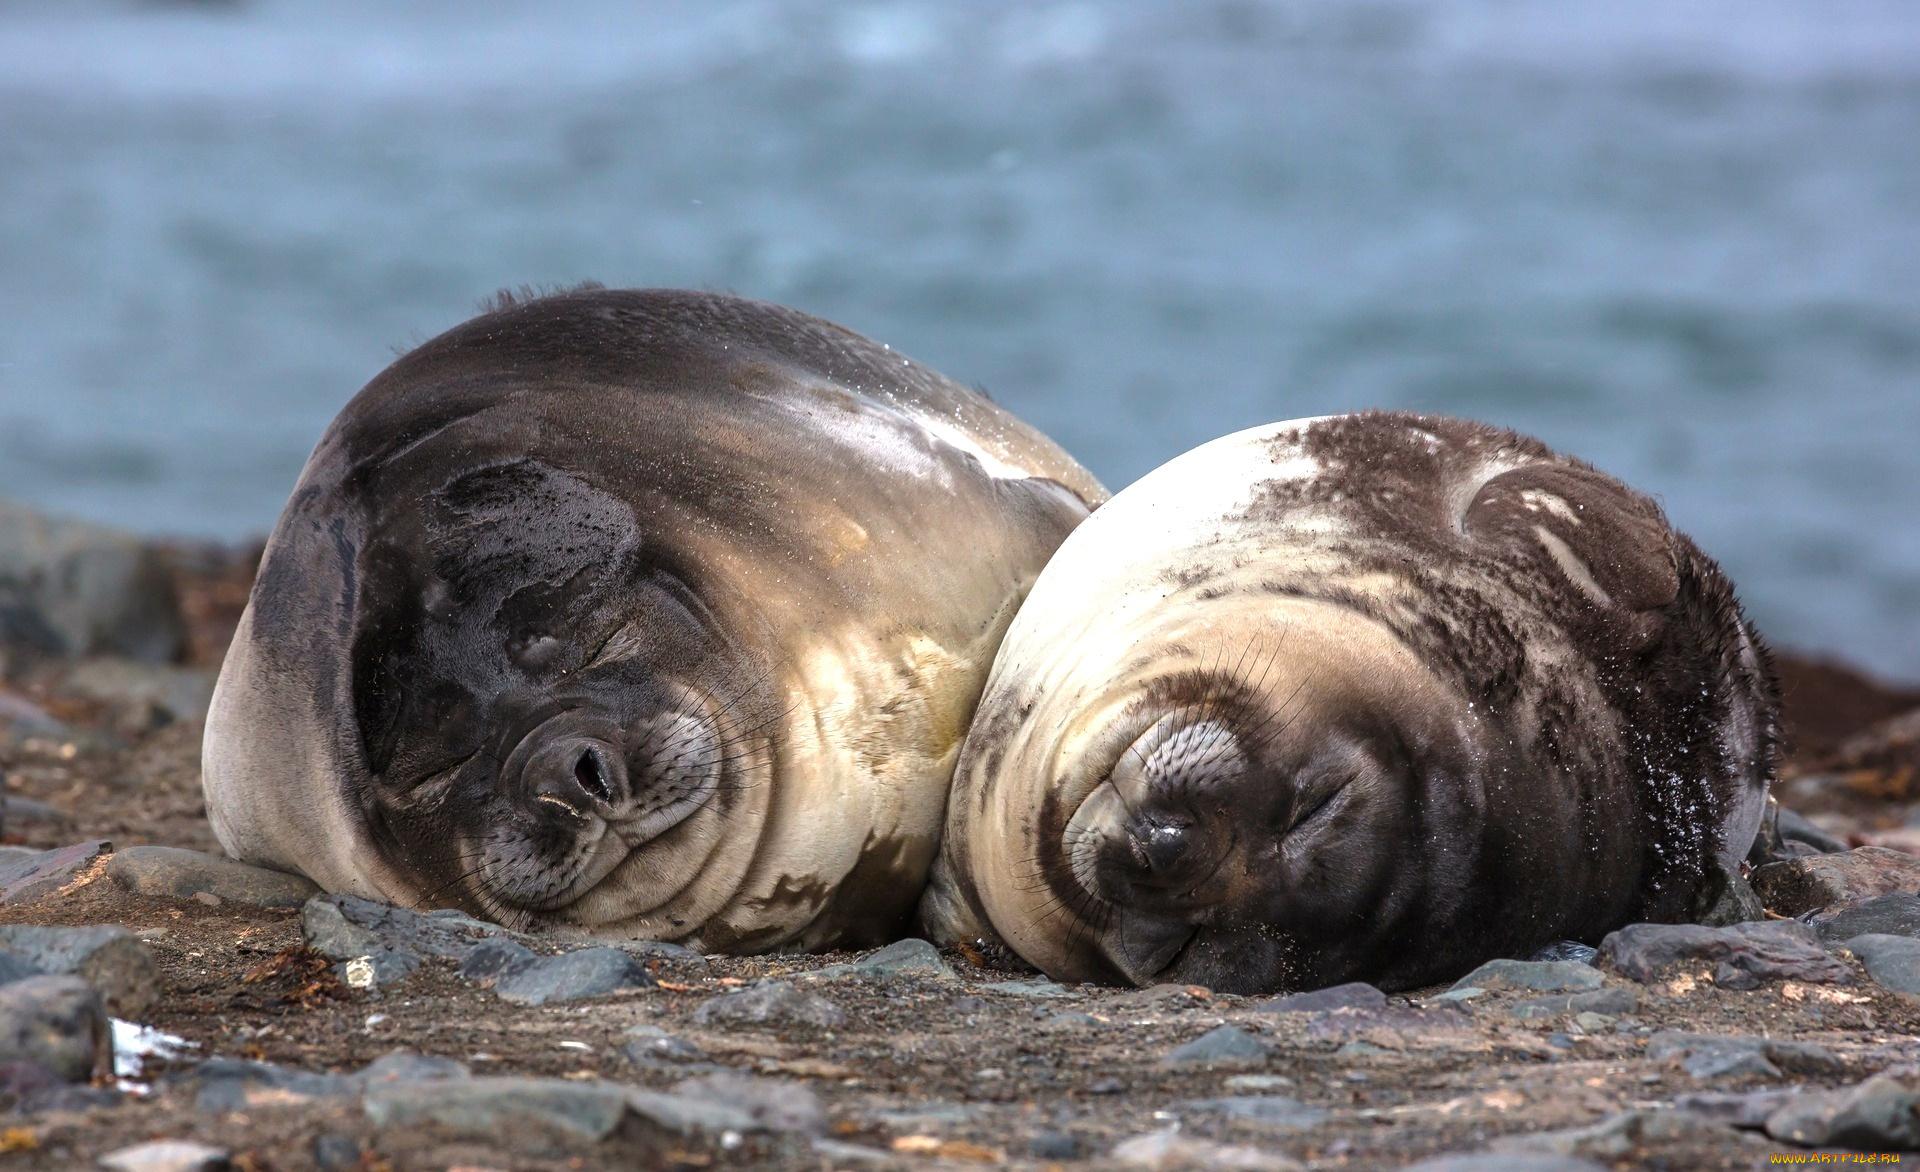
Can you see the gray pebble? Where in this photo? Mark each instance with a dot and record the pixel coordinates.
(1053, 1145)
(498, 1110)
(170, 872)
(652, 1052)
(233, 1084)
(773, 1104)
(1223, 1044)
(1884, 915)
(1165, 1151)
(902, 958)
(158, 693)
(907, 958)
(407, 1066)
(1355, 995)
(1277, 1111)
(1745, 954)
(1718, 1064)
(1341, 1023)
(1795, 828)
(1507, 1162)
(491, 958)
(590, 972)
(770, 1003)
(1036, 988)
(14, 967)
(1617, 1136)
(1892, 961)
(1749, 1110)
(28, 877)
(1710, 1055)
(29, 1087)
(930, 1115)
(1793, 887)
(345, 926)
(1541, 976)
(1876, 1115)
(75, 588)
(1608, 1001)
(58, 1022)
(107, 956)
(332, 1152)
(27, 812)
(21, 718)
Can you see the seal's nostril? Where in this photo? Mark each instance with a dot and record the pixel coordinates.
(588, 773)
(1167, 845)
(1162, 849)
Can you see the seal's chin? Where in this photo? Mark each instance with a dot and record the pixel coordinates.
(522, 871)
(1243, 959)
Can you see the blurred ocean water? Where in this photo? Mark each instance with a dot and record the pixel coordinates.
(1681, 240)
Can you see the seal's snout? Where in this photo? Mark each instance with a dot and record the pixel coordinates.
(1161, 853)
(578, 776)
(1152, 829)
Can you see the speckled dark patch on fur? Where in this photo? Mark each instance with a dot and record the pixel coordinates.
(1488, 591)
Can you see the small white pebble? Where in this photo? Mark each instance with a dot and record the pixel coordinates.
(576, 1046)
(374, 1019)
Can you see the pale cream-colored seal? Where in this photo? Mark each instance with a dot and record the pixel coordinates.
(1368, 697)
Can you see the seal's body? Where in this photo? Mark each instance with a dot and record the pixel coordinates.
(638, 614)
(1369, 697)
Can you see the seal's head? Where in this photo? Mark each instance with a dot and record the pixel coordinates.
(1240, 810)
(1373, 697)
(548, 709)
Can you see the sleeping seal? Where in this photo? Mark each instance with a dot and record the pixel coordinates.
(634, 614)
(1369, 697)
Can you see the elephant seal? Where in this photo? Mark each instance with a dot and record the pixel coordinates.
(1367, 697)
(634, 614)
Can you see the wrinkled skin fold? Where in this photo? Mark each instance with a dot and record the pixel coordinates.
(1370, 697)
(637, 614)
